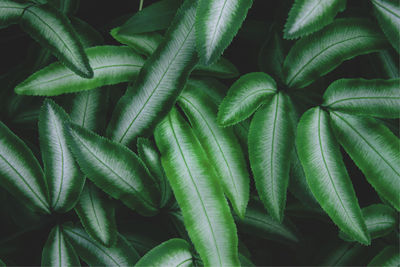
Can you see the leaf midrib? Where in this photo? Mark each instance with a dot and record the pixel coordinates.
(361, 98)
(385, 8)
(272, 150)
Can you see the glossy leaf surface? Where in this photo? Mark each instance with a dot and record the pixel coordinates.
(11, 11)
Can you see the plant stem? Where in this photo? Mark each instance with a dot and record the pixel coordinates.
(141, 5)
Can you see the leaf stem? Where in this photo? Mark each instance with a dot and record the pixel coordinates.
(141, 5)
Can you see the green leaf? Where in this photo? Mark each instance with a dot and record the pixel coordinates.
(222, 69)
(58, 251)
(152, 18)
(220, 145)
(64, 180)
(86, 33)
(244, 97)
(151, 157)
(326, 174)
(206, 213)
(308, 16)
(97, 215)
(388, 14)
(66, 6)
(11, 11)
(52, 29)
(111, 65)
(374, 149)
(389, 256)
(217, 22)
(20, 172)
(160, 81)
(174, 252)
(380, 219)
(271, 139)
(317, 54)
(344, 254)
(115, 169)
(378, 98)
(95, 254)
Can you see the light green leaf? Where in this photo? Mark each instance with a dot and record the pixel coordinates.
(64, 180)
(271, 139)
(374, 149)
(388, 14)
(52, 29)
(217, 22)
(244, 97)
(58, 251)
(319, 53)
(220, 145)
(20, 172)
(174, 252)
(95, 254)
(326, 174)
(378, 98)
(115, 169)
(308, 16)
(205, 211)
(160, 81)
(388, 257)
(11, 11)
(380, 219)
(111, 65)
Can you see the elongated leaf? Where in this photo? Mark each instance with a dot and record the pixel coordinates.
(20, 172)
(380, 220)
(152, 18)
(11, 11)
(217, 22)
(326, 174)
(53, 30)
(66, 6)
(388, 14)
(389, 256)
(86, 33)
(160, 81)
(222, 69)
(95, 254)
(151, 157)
(378, 98)
(271, 139)
(315, 55)
(114, 168)
(64, 180)
(244, 97)
(308, 16)
(205, 211)
(344, 254)
(174, 252)
(386, 64)
(58, 251)
(220, 145)
(375, 150)
(97, 215)
(111, 65)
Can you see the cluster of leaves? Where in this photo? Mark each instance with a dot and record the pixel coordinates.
(139, 154)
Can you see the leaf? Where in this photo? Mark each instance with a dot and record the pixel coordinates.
(389, 256)
(152, 159)
(115, 169)
(326, 174)
(160, 81)
(87, 34)
(95, 254)
(58, 251)
(64, 180)
(97, 215)
(222, 69)
(388, 14)
(374, 149)
(52, 29)
(217, 22)
(378, 98)
(111, 65)
(221, 146)
(380, 219)
(20, 172)
(308, 16)
(205, 211)
(315, 55)
(66, 6)
(271, 139)
(244, 97)
(152, 18)
(174, 252)
(11, 11)
(344, 254)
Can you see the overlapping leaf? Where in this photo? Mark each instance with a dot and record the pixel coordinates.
(11, 11)
(389, 256)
